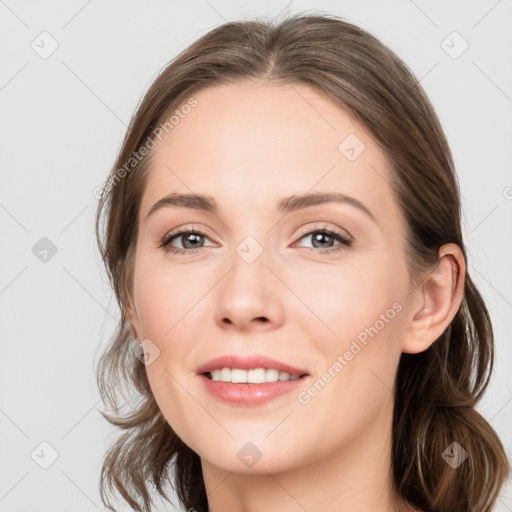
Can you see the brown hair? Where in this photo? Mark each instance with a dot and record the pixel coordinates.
(436, 390)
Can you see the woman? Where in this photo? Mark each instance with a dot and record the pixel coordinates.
(338, 375)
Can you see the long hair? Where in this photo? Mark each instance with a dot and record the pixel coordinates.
(436, 390)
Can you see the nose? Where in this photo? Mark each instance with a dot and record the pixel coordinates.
(248, 296)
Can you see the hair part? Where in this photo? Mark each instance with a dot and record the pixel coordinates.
(436, 390)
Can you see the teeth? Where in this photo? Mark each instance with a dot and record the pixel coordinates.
(255, 376)
(224, 374)
(272, 375)
(238, 376)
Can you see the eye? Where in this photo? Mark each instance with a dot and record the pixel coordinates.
(323, 237)
(190, 241)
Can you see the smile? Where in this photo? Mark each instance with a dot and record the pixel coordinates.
(254, 376)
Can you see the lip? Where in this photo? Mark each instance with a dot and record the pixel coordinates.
(249, 394)
(248, 363)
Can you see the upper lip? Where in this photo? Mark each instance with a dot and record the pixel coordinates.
(248, 363)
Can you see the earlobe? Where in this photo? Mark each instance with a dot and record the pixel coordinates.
(437, 300)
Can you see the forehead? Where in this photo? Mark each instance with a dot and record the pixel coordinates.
(250, 144)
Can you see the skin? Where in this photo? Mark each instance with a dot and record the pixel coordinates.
(249, 145)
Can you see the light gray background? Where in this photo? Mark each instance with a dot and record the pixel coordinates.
(63, 119)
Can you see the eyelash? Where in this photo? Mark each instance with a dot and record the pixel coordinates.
(345, 242)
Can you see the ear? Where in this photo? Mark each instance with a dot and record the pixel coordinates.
(133, 319)
(436, 300)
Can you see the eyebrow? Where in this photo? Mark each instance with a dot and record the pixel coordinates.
(287, 204)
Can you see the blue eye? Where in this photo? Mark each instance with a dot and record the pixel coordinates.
(320, 236)
(194, 236)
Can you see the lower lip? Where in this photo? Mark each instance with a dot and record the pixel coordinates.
(250, 394)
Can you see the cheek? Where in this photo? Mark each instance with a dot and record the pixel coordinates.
(356, 328)
(169, 308)
(360, 327)
(163, 296)
(165, 301)
(343, 301)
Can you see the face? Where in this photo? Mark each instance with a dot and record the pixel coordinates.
(319, 286)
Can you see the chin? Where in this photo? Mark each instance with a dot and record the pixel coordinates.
(247, 454)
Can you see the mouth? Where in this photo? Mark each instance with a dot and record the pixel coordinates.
(251, 380)
(253, 369)
(255, 376)
(251, 394)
